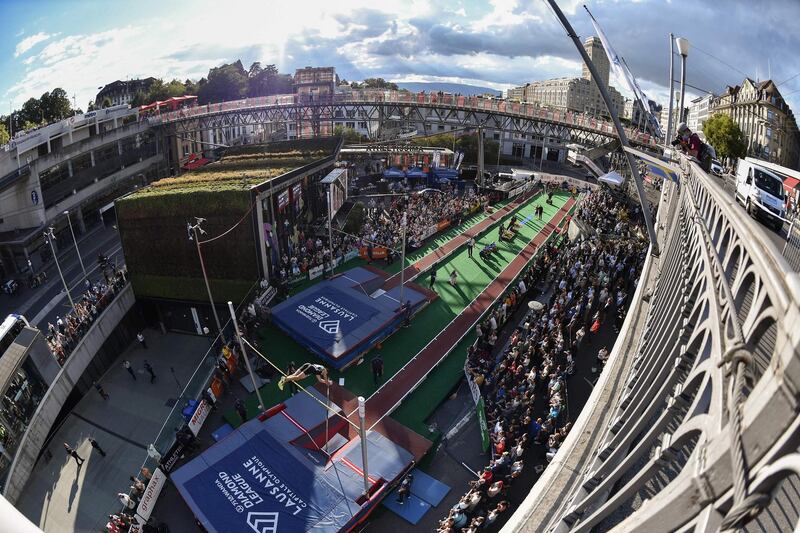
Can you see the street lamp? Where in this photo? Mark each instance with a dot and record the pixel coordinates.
(80, 259)
(194, 236)
(683, 50)
(50, 236)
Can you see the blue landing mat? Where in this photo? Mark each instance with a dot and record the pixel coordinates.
(411, 511)
(427, 488)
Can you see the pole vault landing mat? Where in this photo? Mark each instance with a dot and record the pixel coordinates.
(269, 476)
(342, 318)
(426, 492)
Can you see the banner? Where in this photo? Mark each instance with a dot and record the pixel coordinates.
(314, 273)
(169, 459)
(199, 416)
(480, 409)
(352, 254)
(150, 496)
(378, 252)
(283, 199)
(443, 225)
(624, 75)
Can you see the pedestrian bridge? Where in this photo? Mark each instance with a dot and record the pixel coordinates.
(316, 116)
(693, 424)
(68, 380)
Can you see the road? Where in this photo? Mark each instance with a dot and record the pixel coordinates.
(44, 303)
(778, 238)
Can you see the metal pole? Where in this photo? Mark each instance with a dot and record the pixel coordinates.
(683, 87)
(330, 225)
(80, 260)
(668, 133)
(208, 287)
(244, 355)
(403, 261)
(480, 157)
(613, 112)
(541, 157)
(50, 235)
(363, 434)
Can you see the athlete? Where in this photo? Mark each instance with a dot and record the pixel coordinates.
(305, 370)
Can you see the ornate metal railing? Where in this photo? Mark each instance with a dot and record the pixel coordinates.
(694, 424)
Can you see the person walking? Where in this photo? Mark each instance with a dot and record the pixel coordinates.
(129, 368)
(74, 454)
(433, 276)
(377, 369)
(100, 390)
(96, 446)
(140, 338)
(241, 408)
(149, 369)
(470, 246)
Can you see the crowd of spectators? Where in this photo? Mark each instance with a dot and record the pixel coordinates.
(66, 333)
(586, 284)
(381, 227)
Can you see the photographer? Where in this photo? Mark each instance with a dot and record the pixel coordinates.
(691, 145)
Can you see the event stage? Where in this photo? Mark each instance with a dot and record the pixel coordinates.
(292, 469)
(342, 318)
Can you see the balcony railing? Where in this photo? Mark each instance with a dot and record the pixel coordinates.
(693, 425)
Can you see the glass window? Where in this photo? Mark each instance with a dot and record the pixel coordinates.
(767, 182)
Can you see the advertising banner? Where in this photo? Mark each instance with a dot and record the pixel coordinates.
(150, 496)
(481, 411)
(444, 224)
(352, 254)
(169, 459)
(378, 252)
(283, 199)
(314, 273)
(199, 416)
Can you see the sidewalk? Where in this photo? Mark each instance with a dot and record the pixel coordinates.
(59, 497)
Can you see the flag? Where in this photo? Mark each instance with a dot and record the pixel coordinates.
(623, 74)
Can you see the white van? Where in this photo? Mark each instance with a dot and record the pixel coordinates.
(761, 192)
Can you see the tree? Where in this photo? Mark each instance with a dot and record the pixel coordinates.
(105, 103)
(725, 136)
(350, 135)
(90, 106)
(377, 83)
(31, 111)
(228, 82)
(267, 80)
(4, 136)
(55, 105)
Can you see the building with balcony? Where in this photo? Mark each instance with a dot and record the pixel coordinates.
(698, 113)
(122, 92)
(768, 124)
(79, 165)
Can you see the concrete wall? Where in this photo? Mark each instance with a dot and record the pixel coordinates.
(55, 397)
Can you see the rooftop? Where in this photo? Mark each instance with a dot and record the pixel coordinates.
(245, 166)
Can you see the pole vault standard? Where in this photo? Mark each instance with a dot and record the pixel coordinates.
(362, 430)
(617, 125)
(244, 355)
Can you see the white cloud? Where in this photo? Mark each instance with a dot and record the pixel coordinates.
(30, 41)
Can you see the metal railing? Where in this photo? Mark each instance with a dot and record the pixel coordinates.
(458, 102)
(693, 425)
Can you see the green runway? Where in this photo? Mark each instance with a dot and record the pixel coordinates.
(474, 275)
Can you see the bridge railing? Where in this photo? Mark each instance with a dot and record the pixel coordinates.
(476, 103)
(693, 424)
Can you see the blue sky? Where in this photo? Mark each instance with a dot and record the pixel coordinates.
(81, 45)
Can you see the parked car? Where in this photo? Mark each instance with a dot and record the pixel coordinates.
(716, 167)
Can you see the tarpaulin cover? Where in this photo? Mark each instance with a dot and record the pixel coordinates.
(338, 320)
(416, 172)
(393, 172)
(256, 480)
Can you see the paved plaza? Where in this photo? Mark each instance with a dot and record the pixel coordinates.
(62, 497)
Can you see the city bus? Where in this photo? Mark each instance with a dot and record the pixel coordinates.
(9, 330)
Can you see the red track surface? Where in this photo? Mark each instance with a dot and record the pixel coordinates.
(453, 244)
(389, 396)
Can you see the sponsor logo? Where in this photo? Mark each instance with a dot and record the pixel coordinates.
(263, 522)
(329, 326)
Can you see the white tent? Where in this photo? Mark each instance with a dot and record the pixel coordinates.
(521, 175)
(612, 178)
